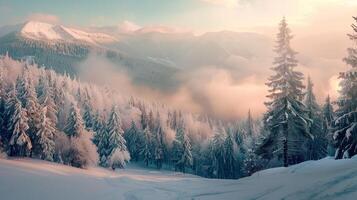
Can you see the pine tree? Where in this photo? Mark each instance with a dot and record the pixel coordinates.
(88, 116)
(186, 158)
(328, 112)
(74, 126)
(134, 140)
(98, 126)
(28, 97)
(230, 159)
(328, 118)
(286, 118)
(9, 107)
(3, 131)
(102, 143)
(250, 125)
(45, 136)
(116, 139)
(218, 152)
(317, 147)
(146, 151)
(144, 118)
(46, 95)
(158, 147)
(345, 124)
(20, 142)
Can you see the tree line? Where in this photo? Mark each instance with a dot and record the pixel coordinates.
(57, 118)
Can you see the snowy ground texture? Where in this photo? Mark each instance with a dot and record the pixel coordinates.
(40, 180)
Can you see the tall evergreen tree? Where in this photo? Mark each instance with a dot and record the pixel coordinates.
(88, 116)
(28, 97)
(74, 126)
(317, 147)
(286, 118)
(218, 152)
(328, 112)
(146, 151)
(249, 125)
(230, 160)
(158, 147)
(101, 140)
(134, 139)
(186, 158)
(345, 124)
(20, 142)
(45, 136)
(3, 131)
(117, 142)
(328, 117)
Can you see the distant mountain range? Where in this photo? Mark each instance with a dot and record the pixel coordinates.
(151, 56)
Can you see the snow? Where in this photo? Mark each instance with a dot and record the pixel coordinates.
(45, 31)
(34, 179)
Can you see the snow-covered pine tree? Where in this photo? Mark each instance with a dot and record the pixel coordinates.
(2, 111)
(218, 151)
(230, 160)
(74, 126)
(101, 140)
(9, 107)
(46, 95)
(158, 147)
(185, 159)
(328, 112)
(117, 142)
(134, 140)
(145, 151)
(345, 124)
(328, 117)
(41, 87)
(45, 136)
(88, 116)
(317, 147)
(286, 118)
(249, 125)
(98, 125)
(59, 99)
(144, 118)
(20, 142)
(28, 97)
(151, 121)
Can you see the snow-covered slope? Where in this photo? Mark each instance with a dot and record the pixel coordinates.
(33, 179)
(44, 31)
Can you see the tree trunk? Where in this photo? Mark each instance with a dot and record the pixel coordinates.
(286, 163)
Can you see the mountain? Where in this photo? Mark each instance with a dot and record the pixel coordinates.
(153, 56)
(57, 33)
(64, 49)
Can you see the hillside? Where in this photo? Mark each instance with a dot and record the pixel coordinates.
(34, 179)
(151, 58)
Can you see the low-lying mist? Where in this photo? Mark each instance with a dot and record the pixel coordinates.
(207, 90)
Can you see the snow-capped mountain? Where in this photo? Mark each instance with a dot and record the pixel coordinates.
(50, 32)
(149, 55)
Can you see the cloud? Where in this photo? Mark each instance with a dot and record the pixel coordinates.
(128, 26)
(206, 90)
(162, 29)
(218, 94)
(43, 17)
(225, 3)
(231, 86)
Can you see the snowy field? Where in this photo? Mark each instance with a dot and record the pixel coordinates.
(40, 180)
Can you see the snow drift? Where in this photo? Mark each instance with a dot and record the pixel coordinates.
(34, 179)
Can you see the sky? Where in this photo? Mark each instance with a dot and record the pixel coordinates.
(319, 28)
(198, 15)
